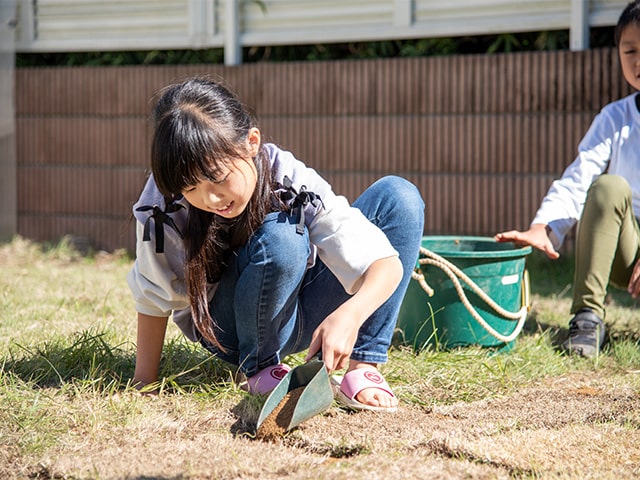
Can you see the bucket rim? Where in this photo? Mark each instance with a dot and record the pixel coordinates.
(504, 253)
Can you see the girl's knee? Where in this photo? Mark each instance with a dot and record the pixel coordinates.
(278, 240)
(608, 189)
(400, 210)
(611, 182)
(404, 193)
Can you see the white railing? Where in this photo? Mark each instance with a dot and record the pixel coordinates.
(8, 162)
(96, 25)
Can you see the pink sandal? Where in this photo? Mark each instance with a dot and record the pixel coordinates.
(267, 379)
(348, 387)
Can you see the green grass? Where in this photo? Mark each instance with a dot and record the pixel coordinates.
(67, 353)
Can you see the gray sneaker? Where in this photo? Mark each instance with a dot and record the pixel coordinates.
(586, 334)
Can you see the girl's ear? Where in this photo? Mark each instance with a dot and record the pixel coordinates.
(253, 139)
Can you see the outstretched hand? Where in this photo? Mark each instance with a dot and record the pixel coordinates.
(535, 237)
(634, 282)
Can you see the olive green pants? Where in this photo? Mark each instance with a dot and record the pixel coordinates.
(607, 243)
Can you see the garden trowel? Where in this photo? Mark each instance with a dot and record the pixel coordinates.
(304, 392)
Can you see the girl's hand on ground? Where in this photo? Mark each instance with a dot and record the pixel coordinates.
(144, 388)
(536, 237)
(634, 282)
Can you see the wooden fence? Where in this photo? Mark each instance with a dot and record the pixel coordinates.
(481, 136)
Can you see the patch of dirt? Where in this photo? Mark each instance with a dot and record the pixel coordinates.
(277, 422)
(569, 427)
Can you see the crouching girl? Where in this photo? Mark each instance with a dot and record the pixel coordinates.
(257, 258)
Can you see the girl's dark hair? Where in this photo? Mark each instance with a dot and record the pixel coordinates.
(630, 15)
(200, 126)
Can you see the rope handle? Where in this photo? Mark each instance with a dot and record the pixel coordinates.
(453, 272)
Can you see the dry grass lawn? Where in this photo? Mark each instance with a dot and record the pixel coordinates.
(576, 426)
(528, 413)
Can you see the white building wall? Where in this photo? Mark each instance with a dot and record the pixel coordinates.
(96, 25)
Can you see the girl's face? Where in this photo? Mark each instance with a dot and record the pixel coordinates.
(629, 50)
(229, 195)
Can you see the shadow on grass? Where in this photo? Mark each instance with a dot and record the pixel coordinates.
(550, 277)
(554, 278)
(90, 357)
(43, 472)
(89, 360)
(534, 325)
(247, 412)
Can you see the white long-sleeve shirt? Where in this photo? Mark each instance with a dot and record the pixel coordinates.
(611, 145)
(346, 241)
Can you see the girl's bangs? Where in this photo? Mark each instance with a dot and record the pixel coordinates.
(183, 158)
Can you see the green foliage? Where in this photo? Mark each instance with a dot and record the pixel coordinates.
(100, 59)
(87, 356)
(480, 44)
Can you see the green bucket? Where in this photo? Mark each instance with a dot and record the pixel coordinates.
(442, 320)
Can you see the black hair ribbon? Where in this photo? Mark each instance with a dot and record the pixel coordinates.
(161, 218)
